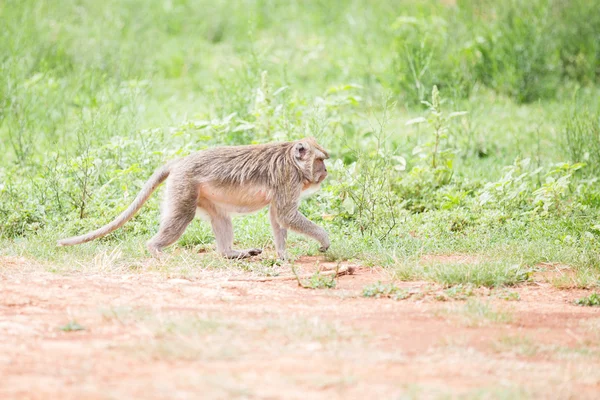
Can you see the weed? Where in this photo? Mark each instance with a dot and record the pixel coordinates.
(271, 262)
(481, 274)
(389, 290)
(581, 132)
(528, 347)
(71, 326)
(459, 292)
(593, 300)
(523, 346)
(462, 276)
(478, 313)
(435, 166)
(317, 281)
(507, 295)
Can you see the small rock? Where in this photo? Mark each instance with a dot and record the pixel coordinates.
(179, 281)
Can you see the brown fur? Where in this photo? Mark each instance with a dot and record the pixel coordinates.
(223, 181)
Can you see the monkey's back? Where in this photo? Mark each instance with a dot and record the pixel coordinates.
(268, 164)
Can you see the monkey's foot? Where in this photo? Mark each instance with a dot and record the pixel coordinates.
(155, 252)
(237, 254)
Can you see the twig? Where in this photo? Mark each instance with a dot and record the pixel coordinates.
(345, 270)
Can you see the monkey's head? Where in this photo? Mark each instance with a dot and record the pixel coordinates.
(310, 158)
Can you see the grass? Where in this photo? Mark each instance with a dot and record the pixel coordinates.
(460, 292)
(593, 300)
(180, 335)
(528, 347)
(476, 313)
(72, 326)
(318, 281)
(485, 273)
(520, 345)
(507, 295)
(499, 162)
(379, 290)
(482, 274)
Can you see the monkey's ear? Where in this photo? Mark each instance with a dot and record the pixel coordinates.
(301, 151)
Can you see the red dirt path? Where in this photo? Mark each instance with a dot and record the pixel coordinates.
(148, 336)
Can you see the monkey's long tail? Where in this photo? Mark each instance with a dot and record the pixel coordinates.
(150, 186)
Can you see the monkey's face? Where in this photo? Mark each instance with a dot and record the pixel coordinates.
(311, 159)
(319, 170)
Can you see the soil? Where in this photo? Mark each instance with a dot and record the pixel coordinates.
(114, 335)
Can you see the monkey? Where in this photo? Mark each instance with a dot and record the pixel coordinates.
(220, 182)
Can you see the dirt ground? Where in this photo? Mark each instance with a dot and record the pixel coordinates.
(148, 335)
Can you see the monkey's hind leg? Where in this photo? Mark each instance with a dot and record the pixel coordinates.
(179, 211)
(223, 230)
(279, 234)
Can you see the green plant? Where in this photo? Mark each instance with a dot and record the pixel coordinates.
(593, 300)
(513, 188)
(519, 190)
(507, 295)
(581, 131)
(363, 190)
(488, 274)
(71, 326)
(460, 292)
(518, 52)
(551, 195)
(426, 53)
(434, 165)
(478, 313)
(379, 289)
(433, 152)
(318, 281)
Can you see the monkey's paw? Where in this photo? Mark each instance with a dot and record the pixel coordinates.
(239, 254)
(254, 252)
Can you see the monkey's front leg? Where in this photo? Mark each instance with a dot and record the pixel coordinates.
(292, 219)
(279, 234)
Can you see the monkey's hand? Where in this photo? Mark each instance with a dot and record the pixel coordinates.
(325, 245)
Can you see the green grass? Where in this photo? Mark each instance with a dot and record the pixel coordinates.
(71, 326)
(317, 281)
(379, 290)
(593, 300)
(481, 274)
(460, 292)
(95, 95)
(475, 313)
(525, 346)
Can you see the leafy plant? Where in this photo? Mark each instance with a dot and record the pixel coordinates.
(488, 274)
(389, 290)
(551, 195)
(593, 300)
(460, 292)
(581, 131)
(435, 166)
(478, 313)
(363, 190)
(507, 295)
(318, 281)
(519, 189)
(72, 326)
